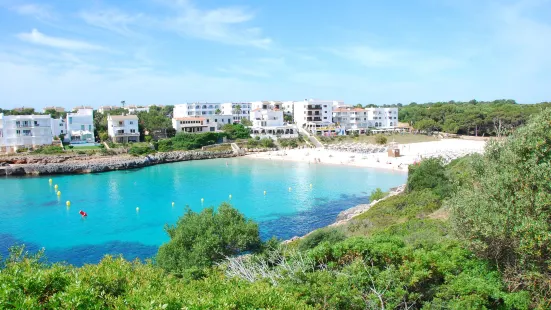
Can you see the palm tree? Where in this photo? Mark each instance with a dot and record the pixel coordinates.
(237, 110)
(217, 112)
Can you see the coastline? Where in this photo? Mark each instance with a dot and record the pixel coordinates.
(410, 153)
(38, 165)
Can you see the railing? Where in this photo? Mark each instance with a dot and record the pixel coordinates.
(314, 107)
(132, 134)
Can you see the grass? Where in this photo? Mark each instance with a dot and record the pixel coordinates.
(219, 148)
(398, 138)
(81, 148)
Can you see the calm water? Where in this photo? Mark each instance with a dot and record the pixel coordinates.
(32, 214)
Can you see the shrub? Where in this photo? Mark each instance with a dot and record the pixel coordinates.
(50, 149)
(236, 131)
(140, 150)
(503, 213)
(377, 194)
(380, 139)
(429, 174)
(267, 142)
(199, 240)
(330, 235)
(289, 142)
(103, 136)
(148, 139)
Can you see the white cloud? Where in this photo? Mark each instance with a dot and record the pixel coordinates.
(39, 38)
(35, 10)
(224, 25)
(112, 20)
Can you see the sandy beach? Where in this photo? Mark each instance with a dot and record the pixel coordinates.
(410, 153)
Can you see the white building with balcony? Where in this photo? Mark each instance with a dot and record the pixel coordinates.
(24, 131)
(313, 115)
(80, 126)
(133, 109)
(200, 124)
(123, 128)
(239, 110)
(267, 121)
(359, 119)
(59, 127)
(196, 109)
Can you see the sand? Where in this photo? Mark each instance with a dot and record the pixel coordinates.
(410, 153)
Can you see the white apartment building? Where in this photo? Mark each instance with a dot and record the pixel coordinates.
(359, 119)
(313, 114)
(196, 109)
(239, 110)
(288, 107)
(135, 109)
(80, 126)
(82, 107)
(28, 131)
(199, 124)
(123, 128)
(59, 126)
(267, 120)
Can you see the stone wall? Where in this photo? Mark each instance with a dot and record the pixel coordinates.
(74, 164)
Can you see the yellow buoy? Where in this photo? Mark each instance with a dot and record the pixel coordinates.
(310, 185)
(264, 192)
(202, 199)
(50, 181)
(290, 189)
(137, 209)
(55, 186)
(68, 203)
(230, 196)
(59, 193)
(173, 203)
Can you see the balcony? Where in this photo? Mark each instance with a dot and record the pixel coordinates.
(127, 134)
(313, 107)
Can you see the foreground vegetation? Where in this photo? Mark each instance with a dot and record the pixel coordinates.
(473, 234)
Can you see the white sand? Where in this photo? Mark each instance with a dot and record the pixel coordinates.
(410, 153)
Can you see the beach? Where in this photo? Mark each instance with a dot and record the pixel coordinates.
(409, 154)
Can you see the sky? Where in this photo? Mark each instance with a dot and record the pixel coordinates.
(99, 52)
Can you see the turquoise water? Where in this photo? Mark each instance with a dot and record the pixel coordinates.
(31, 213)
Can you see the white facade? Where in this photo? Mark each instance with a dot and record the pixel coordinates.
(313, 113)
(239, 110)
(135, 109)
(59, 126)
(266, 113)
(199, 124)
(57, 109)
(123, 128)
(29, 131)
(196, 109)
(360, 119)
(107, 108)
(288, 107)
(80, 126)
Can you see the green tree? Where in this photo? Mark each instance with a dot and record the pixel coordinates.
(218, 112)
(237, 110)
(246, 122)
(504, 213)
(377, 194)
(198, 240)
(429, 174)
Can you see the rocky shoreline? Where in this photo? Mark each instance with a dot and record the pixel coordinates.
(78, 164)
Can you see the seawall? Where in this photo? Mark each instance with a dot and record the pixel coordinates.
(75, 164)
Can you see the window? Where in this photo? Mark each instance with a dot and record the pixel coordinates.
(325, 118)
(62, 131)
(216, 120)
(131, 123)
(70, 120)
(81, 127)
(89, 127)
(132, 130)
(18, 132)
(325, 106)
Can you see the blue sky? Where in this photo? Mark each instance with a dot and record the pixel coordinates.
(98, 52)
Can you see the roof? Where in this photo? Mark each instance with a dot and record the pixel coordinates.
(123, 117)
(190, 119)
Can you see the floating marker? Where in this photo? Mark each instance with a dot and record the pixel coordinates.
(173, 203)
(137, 209)
(202, 199)
(55, 186)
(59, 193)
(230, 196)
(264, 192)
(68, 203)
(290, 189)
(310, 185)
(50, 181)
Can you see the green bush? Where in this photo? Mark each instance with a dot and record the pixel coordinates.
(140, 150)
(198, 240)
(236, 131)
(380, 139)
(377, 194)
(504, 212)
(148, 138)
(289, 142)
(50, 149)
(267, 143)
(331, 235)
(429, 174)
